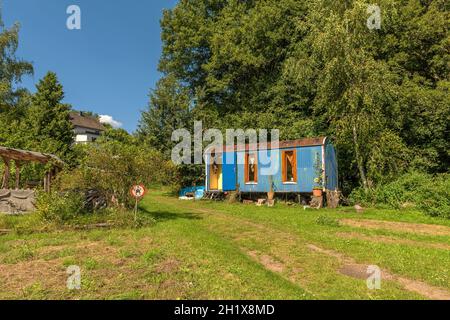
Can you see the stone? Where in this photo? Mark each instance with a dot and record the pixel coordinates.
(17, 201)
(5, 193)
(359, 209)
(22, 194)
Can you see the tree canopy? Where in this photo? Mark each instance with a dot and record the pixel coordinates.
(313, 68)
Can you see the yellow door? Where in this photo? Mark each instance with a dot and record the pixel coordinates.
(215, 177)
(221, 179)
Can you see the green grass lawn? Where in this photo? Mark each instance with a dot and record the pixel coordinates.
(212, 250)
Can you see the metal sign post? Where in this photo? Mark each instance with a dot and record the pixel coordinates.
(135, 209)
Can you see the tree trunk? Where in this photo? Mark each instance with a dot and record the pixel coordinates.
(359, 161)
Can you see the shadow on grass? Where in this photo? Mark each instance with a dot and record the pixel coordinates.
(162, 216)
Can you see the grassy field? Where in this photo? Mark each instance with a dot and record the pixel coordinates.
(206, 250)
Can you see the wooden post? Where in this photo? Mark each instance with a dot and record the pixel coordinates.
(3, 179)
(50, 180)
(5, 183)
(47, 181)
(17, 163)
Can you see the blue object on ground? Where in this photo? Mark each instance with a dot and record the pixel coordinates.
(197, 191)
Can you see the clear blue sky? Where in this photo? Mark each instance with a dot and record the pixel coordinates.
(108, 66)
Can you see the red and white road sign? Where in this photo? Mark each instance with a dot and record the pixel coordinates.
(138, 191)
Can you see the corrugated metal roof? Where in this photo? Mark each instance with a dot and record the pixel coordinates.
(80, 120)
(304, 142)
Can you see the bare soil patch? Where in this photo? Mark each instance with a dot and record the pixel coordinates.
(17, 277)
(426, 229)
(268, 262)
(47, 268)
(167, 266)
(357, 271)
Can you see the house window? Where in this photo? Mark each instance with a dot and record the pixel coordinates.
(289, 166)
(251, 168)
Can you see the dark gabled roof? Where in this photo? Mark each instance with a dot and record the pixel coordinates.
(79, 119)
(304, 142)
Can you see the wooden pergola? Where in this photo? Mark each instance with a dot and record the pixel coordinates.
(21, 156)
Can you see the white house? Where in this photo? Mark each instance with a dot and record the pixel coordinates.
(86, 127)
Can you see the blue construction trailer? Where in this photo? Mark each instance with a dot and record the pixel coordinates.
(293, 167)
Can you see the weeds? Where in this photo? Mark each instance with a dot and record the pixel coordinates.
(327, 221)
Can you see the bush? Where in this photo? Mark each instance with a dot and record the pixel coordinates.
(428, 193)
(113, 167)
(59, 207)
(67, 208)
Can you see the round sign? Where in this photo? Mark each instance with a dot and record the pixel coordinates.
(138, 191)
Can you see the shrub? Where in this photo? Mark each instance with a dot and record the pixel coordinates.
(59, 207)
(67, 208)
(113, 167)
(428, 193)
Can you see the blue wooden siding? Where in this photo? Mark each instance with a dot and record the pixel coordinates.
(229, 171)
(233, 173)
(306, 158)
(305, 172)
(331, 168)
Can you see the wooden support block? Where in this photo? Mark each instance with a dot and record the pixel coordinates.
(333, 198)
(261, 202)
(316, 202)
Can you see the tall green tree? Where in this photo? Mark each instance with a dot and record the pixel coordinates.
(14, 100)
(168, 110)
(12, 69)
(49, 119)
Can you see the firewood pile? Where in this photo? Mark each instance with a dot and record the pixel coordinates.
(95, 200)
